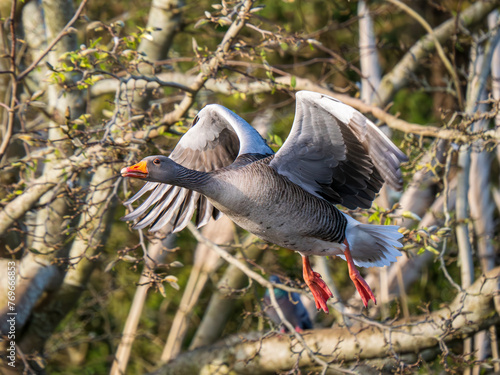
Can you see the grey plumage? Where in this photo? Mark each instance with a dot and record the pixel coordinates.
(209, 145)
(333, 155)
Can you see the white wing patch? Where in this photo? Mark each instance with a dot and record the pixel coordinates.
(250, 140)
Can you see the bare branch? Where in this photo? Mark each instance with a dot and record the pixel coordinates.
(469, 312)
(156, 254)
(399, 76)
(370, 66)
(209, 68)
(229, 88)
(53, 43)
(438, 46)
(205, 263)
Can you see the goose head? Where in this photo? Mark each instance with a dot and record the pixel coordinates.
(156, 168)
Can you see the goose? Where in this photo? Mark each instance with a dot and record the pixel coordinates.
(333, 156)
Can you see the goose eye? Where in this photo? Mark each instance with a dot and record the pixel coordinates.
(156, 161)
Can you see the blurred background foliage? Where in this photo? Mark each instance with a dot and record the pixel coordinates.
(93, 330)
(316, 40)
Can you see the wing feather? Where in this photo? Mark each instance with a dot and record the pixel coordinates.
(170, 212)
(216, 139)
(204, 212)
(336, 153)
(147, 187)
(160, 207)
(161, 191)
(186, 213)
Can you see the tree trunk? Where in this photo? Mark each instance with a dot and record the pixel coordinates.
(251, 354)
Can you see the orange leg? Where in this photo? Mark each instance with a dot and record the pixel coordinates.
(318, 287)
(361, 285)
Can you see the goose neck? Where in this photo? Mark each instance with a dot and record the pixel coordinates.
(192, 179)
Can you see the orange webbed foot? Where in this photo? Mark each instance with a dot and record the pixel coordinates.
(318, 287)
(361, 285)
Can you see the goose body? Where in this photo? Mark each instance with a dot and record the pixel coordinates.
(333, 155)
(278, 211)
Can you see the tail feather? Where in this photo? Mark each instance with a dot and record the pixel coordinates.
(372, 245)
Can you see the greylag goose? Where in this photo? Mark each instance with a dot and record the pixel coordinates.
(333, 155)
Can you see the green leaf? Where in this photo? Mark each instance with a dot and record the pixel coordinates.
(293, 82)
(94, 43)
(278, 140)
(374, 217)
(411, 215)
(432, 249)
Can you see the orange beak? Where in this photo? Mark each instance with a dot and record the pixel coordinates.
(139, 170)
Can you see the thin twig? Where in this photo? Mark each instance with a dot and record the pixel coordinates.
(56, 40)
(210, 68)
(13, 93)
(439, 48)
(269, 285)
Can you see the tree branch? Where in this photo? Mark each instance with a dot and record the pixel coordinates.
(258, 87)
(468, 313)
(52, 44)
(398, 77)
(438, 46)
(210, 68)
(205, 263)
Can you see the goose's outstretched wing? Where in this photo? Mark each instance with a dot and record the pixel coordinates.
(217, 137)
(336, 153)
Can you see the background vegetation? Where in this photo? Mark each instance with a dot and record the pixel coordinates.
(89, 87)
